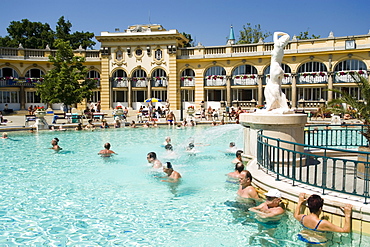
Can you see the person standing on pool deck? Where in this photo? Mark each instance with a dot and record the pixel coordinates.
(152, 159)
(314, 228)
(106, 152)
(246, 190)
(173, 176)
(272, 208)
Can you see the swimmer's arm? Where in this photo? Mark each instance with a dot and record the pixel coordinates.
(297, 213)
(328, 226)
(257, 208)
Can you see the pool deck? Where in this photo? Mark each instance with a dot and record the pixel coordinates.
(16, 121)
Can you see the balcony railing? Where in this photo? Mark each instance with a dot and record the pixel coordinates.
(215, 80)
(120, 82)
(26, 82)
(187, 81)
(159, 82)
(8, 52)
(347, 76)
(250, 79)
(287, 80)
(139, 82)
(312, 77)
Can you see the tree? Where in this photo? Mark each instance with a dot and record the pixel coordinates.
(304, 35)
(63, 31)
(191, 41)
(36, 35)
(251, 35)
(360, 109)
(66, 82)
(30, 34)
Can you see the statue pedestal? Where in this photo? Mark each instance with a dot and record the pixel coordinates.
(287, 127)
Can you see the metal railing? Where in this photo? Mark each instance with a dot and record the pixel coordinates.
(346, 136)
(330, 169)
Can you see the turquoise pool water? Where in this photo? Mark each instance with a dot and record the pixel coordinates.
(76, 198)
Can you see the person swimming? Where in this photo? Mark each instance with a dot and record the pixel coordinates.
(106, 152)
(55, 145)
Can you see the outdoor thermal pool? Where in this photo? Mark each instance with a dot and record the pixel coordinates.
(77, 198)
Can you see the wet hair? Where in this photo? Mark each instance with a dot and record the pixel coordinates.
(56, 139)
(191, 145)
(315, 202)
(152, 155)
(239, 167)
(107, 145)
(168, 165)
(168, 147)
(232, 144)
(238, 153)
(248, 175)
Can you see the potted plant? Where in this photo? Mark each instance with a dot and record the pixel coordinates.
(118, 110)
(359, 110)
(191, 110)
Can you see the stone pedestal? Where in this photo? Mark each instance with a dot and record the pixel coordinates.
(287, 127)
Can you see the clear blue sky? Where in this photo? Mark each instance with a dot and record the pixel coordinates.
(207, 21)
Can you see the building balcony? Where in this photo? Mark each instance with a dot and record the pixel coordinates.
(215, 80)
(312, 78)
(187, 81)
(139, 82)
(120, 82)
(19, 82)
(244, 80)
(348, 76)
(159, 82)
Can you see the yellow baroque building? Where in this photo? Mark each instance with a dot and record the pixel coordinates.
(148, 61)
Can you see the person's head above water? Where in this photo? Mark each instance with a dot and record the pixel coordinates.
(239, 167)
(168, 165)
(239, 153)
(191, 145)
(107, 145)
(232, 144)
(315, 203)
(151, 156)
(168, 147)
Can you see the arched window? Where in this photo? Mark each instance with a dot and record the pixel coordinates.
(139, 78)
(8, 73)
(94, 75)
(244, 75)
(345, 70)
(187, 78)
(287, 74)
(159, 78)
(34, 73)
(119, 78)
(312, 72)
(215, 76)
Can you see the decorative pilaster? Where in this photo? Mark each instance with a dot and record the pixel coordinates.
(105, 96)
(228, 90)
(294, 90)
(260, 90)
(330, 85)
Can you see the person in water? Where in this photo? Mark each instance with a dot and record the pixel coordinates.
(315, 229)
(238, 157)
(271, 209)
(239, 167)
(246, 190)
(106, 152)
(55, 145)
(173, 176)
(152, 159)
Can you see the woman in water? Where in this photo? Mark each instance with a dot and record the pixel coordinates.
(315, 228)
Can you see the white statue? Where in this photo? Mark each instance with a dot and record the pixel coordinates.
(275, 98)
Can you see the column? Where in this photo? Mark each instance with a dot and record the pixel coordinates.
(228, 90)
(294, 91)
(199, 88)
(173, 88)
(330, 86)
(260, 91)
(149, 89)
(129, 93)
